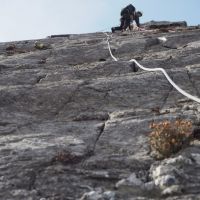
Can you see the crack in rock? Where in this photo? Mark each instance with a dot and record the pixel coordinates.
(166, 97)
(91, 116)
(70, 98)
(192, 82)
(40, 78)
(101, 130)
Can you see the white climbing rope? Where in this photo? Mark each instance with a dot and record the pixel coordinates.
(153, 70)
(113, 57)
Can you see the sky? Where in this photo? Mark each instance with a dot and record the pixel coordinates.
(36, 19)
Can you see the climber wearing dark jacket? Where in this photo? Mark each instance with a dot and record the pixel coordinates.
(128, 14)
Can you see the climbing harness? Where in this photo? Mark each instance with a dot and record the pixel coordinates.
(153, 70)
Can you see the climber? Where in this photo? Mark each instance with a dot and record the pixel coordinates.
(128, 15)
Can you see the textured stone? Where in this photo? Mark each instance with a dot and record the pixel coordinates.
(72, 120)
(165, 24)
(98, 195)
(131, 180)
(173, 190)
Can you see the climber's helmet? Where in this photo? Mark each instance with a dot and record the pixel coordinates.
(139, 13)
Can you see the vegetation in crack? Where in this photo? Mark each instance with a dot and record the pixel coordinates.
(169, 137)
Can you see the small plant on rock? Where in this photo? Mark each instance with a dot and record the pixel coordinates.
(66, 157)
(168, 137)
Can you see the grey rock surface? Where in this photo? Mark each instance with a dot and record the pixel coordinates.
(74, 124)
(165, 24)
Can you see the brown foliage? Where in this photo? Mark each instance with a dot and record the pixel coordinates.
(66, 158)
(168, 137)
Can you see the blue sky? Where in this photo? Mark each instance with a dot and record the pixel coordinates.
(33, 19)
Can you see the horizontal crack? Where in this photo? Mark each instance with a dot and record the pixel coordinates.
(89, 117)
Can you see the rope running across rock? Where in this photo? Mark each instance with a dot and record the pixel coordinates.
(153, 70)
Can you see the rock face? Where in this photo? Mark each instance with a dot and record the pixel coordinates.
(74, 124)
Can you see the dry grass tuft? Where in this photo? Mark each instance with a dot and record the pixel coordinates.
(168, 137)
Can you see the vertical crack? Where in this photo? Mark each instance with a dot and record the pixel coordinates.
(133, 67)
(192, 82)
(166, 97)
(70, 98)
(32, 179)
(101, 130)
